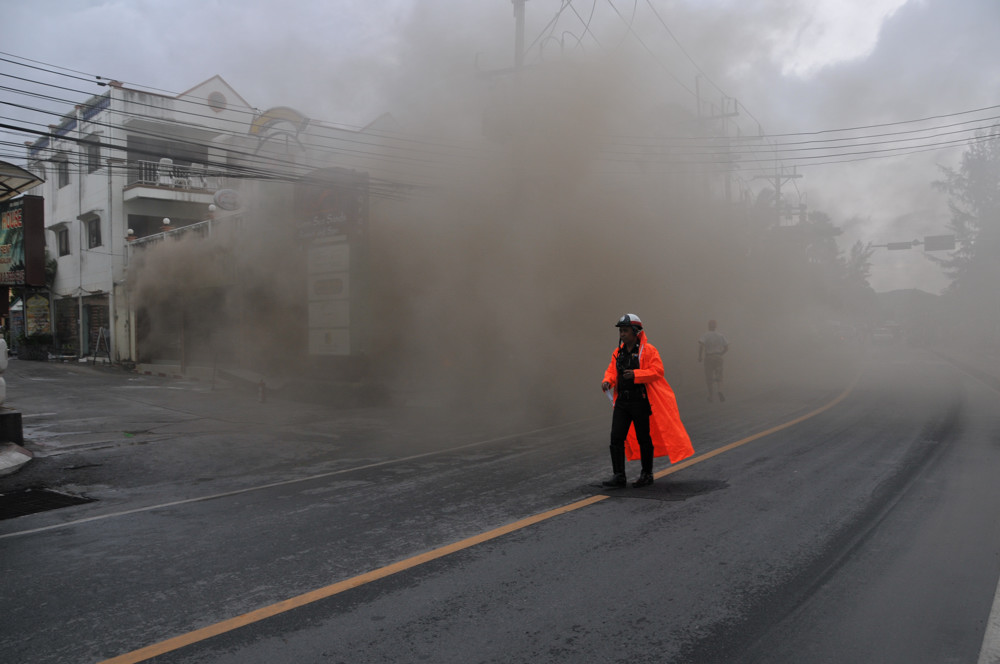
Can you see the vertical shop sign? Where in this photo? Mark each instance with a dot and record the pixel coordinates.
(332, 209)
(22, 242)
(36, 316)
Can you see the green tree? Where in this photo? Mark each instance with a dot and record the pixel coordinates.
(859, 297)
(974, 267)
(820, 235)
(858, 265)
(51, 268)
(974, 199)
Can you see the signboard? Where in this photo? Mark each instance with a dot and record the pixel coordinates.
(331, 203)
(328, 225)
(328, 291)
(939, 243)
(22, 242)
(331, 212)
(36, 316)
(227, 199)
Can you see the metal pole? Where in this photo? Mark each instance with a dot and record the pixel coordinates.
(112, 239)
(79, 224)
(518, 33)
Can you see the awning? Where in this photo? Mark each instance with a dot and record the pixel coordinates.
(14, 180)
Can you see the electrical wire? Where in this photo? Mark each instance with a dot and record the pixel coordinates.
(253, 113)
(715, 148)
(889, 148)
(666, 69)
(478, 146)
(711, 148)
(342, 139)
(203, 101)
(698, 69)
(448, 149)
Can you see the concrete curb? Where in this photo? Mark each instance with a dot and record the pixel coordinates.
(12, 457)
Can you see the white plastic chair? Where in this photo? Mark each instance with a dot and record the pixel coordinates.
(196, 176)
(165, 172)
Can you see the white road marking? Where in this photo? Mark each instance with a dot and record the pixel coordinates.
(990, 652)
(272, 485)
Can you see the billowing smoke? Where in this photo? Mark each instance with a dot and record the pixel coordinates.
(504, 288)
(498, 270)
(229, 296)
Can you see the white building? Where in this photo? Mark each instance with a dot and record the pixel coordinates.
(129, 172)
(124, 160)
(264, 257)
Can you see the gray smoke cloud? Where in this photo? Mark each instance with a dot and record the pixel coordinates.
(508, 289)
(502, 274)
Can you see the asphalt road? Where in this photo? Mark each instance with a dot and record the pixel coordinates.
(863, 526)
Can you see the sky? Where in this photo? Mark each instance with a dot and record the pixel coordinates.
(794, 67)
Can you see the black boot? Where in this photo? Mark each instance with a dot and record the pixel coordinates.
(645, 479)
(616, 481)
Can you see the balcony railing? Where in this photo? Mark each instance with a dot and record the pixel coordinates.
(165, 173)
(225, 265)
(201, 228)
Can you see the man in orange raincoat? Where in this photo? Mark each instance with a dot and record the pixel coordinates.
(645, 423)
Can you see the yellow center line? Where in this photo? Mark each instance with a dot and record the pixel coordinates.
(189, 638)
(731, 446)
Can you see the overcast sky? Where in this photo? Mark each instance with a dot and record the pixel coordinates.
(793, 65)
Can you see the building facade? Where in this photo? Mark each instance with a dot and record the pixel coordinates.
(196, 231)
(115, 167)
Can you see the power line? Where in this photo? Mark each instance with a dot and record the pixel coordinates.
(889, 147)
(890, 124)
(632, 31)
(864, 155)
(264, 169)
(248, 111)
(420, 158)
(698, 68)
(679, 167)
(188, 98)
(550, 25)
(402, 137)
(681, 47)
(50, 66)
(713, 149)
(265, 165)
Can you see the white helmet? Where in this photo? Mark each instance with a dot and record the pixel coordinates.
(629, 319)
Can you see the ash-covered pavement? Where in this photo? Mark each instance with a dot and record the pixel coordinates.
(113, 435)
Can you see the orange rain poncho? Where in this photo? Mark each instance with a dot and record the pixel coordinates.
(670, 438)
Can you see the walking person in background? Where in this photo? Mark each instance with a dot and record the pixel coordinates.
(713, 345)
(645, 422)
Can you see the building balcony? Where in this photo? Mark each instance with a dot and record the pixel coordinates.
(220, 270)
(164, 180)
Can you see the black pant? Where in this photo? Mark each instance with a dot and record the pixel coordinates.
(626, 413)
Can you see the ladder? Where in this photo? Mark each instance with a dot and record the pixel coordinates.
(102, 341)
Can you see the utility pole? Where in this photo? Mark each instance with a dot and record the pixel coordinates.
(706, 125)
(779, 178)
(500, 123)
(518, 46)
(518, 33)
